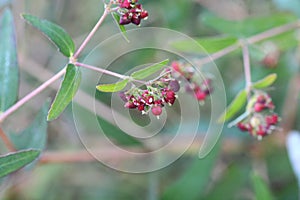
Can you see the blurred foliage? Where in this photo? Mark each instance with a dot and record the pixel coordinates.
(227, 173)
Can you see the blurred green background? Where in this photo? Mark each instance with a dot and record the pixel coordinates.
(239, 167)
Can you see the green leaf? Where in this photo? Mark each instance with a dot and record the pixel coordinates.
(207, 45)
(114, 87)
(61, 39)
(9, 70)
(35, 135)
(12, 162)
(266, 82)
(121, 27)
(262, 192)
(246, 27)
(148, 71)
(235, 106)
(195, 179)
(66, 92)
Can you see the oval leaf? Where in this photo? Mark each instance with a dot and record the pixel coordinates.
(15, 161)
(66, 92)
(114, 87)
(266, 82)
(261, 190)
(9, 76)
(206, 45)
(235, 106)
(61, 39)
(148, 71)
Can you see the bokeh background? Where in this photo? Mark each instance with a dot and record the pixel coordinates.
(228, 171)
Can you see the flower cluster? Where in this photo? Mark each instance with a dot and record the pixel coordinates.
(200, 89)
(154, 97)
(131, 12)
(261, 120)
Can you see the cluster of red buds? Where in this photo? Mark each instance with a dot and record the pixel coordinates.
(261, 120)
(131, 12)
(200, 89)
(158, 93)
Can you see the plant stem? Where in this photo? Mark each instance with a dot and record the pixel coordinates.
(94, 30)
(104, 71)
(247, 68)
(6, 141)
(251, 40)
(32, 94)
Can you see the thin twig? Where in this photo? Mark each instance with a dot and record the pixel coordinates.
(92, 33)
(104, 71)
(6, 141)
(247, 67)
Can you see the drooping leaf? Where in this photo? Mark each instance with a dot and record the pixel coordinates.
(35, 135)
(261, 190)
(121, 27)
(9, 70)
(66, 92)
(114, 87)
(148, 71)
(235, 106)
(194, 181)
(265, 82)
(207, 45)
(246, 27)
(12, 162)
(61, 39)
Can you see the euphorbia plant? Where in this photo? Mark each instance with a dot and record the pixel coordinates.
(148, 95)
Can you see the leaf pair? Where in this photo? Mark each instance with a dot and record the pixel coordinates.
(241, 98)
(63, 41)
(137, 75)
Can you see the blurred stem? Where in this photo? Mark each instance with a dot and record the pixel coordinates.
(6, 141)
(247, 67)
(251, 40)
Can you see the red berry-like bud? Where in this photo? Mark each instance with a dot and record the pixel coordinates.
(141, 107)
(258, 107)
(144, 14)
(156, 110)
(174, 85)
(136, 19)
(124, 19)
(261, 99)
(242, 126)
(170, 97)
(200, 95)
(125, 4)
(272, 119)
(149, 100)
(261, 131)
(130, 105)
(176, 67)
